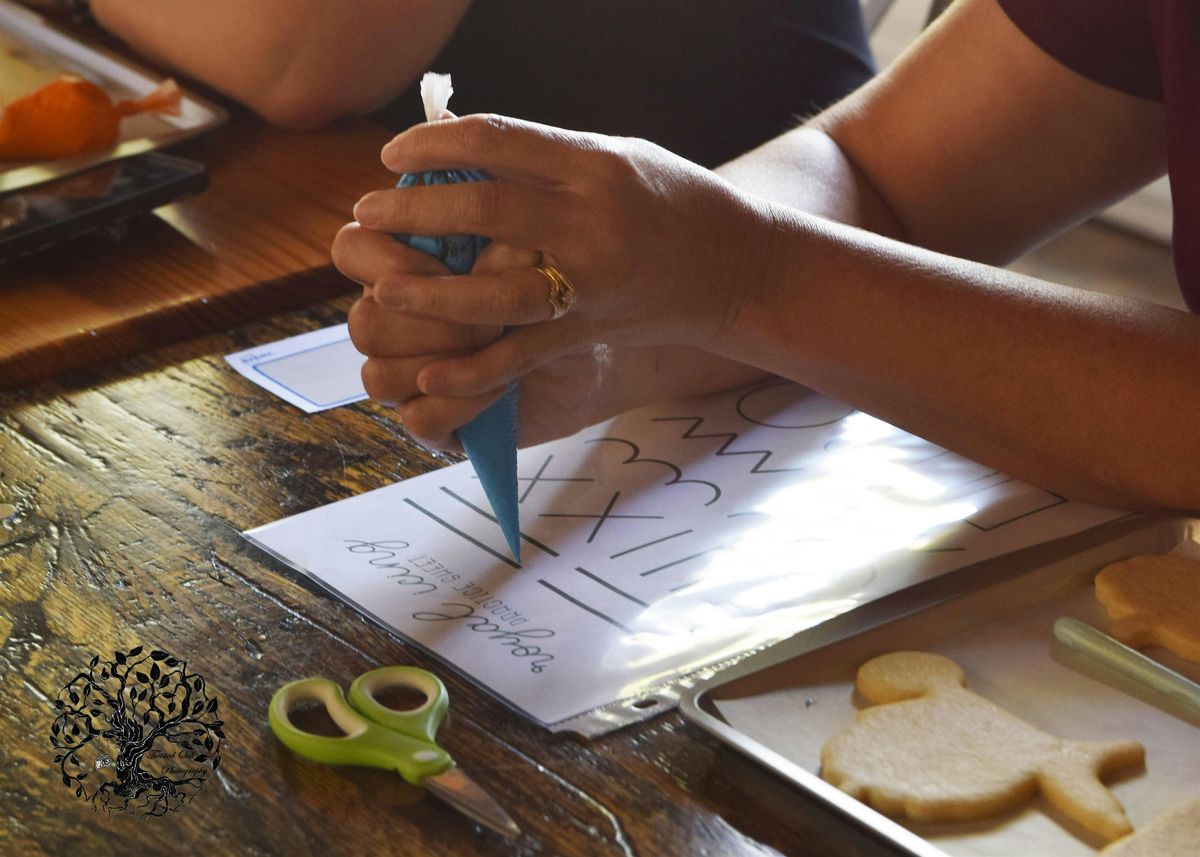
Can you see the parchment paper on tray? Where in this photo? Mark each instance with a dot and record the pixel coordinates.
(1002, 636)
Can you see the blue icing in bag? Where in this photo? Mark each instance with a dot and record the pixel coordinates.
(490, 440)
(457, 252)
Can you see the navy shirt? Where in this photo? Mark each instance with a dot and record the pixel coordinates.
(707, 79)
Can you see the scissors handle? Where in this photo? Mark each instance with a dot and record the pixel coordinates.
(407, 748)
(422, 720)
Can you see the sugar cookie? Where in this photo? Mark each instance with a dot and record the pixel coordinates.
(931, 750)
(1154, 600)
(1174, 833)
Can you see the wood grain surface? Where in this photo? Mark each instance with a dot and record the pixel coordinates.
(124, 492)
(256, 242)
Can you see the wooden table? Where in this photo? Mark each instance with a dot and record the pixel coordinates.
(123, 492)
(257, 241)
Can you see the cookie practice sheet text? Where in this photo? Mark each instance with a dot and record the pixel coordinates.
(665, 540)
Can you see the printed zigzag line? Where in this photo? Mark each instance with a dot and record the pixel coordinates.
(731, 437)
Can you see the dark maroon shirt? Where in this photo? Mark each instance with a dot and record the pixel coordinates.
(1150, 49)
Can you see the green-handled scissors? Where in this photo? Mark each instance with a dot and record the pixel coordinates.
(377, 736)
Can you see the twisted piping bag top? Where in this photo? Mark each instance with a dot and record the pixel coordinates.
(490, 440)
(435, 94)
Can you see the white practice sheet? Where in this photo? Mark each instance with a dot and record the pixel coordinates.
(665, 540)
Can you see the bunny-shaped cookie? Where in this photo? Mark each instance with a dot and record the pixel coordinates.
(932, 750)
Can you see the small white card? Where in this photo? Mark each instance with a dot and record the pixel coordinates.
(314, 371)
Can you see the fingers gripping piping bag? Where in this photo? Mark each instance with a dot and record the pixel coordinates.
(490, 440)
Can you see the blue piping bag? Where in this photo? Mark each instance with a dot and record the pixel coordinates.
(490, 440)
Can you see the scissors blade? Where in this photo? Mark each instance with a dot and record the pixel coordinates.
(469, 798)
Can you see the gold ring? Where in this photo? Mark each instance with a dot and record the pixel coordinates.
(561, 294)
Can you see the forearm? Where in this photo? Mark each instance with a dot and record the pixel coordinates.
(1087, 394)
(806, 169)
(297, 62)
(1077, 391)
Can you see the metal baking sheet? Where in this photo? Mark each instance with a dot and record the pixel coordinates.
(34, 52)
(780, 706)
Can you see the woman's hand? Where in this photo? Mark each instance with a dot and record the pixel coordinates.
(660, 252)
(558, 399)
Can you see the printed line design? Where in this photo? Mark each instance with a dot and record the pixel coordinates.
(651, 544)
(675, 562)
(730, 438)
(602, 518)
(610, 620)
(608, 585)
(461, 534)
(538, 477)
(824, 420)
(485, 513)
(677, 479)
(1055, 500)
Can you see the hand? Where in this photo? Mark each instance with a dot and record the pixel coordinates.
(660, 250)
(555, 400)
